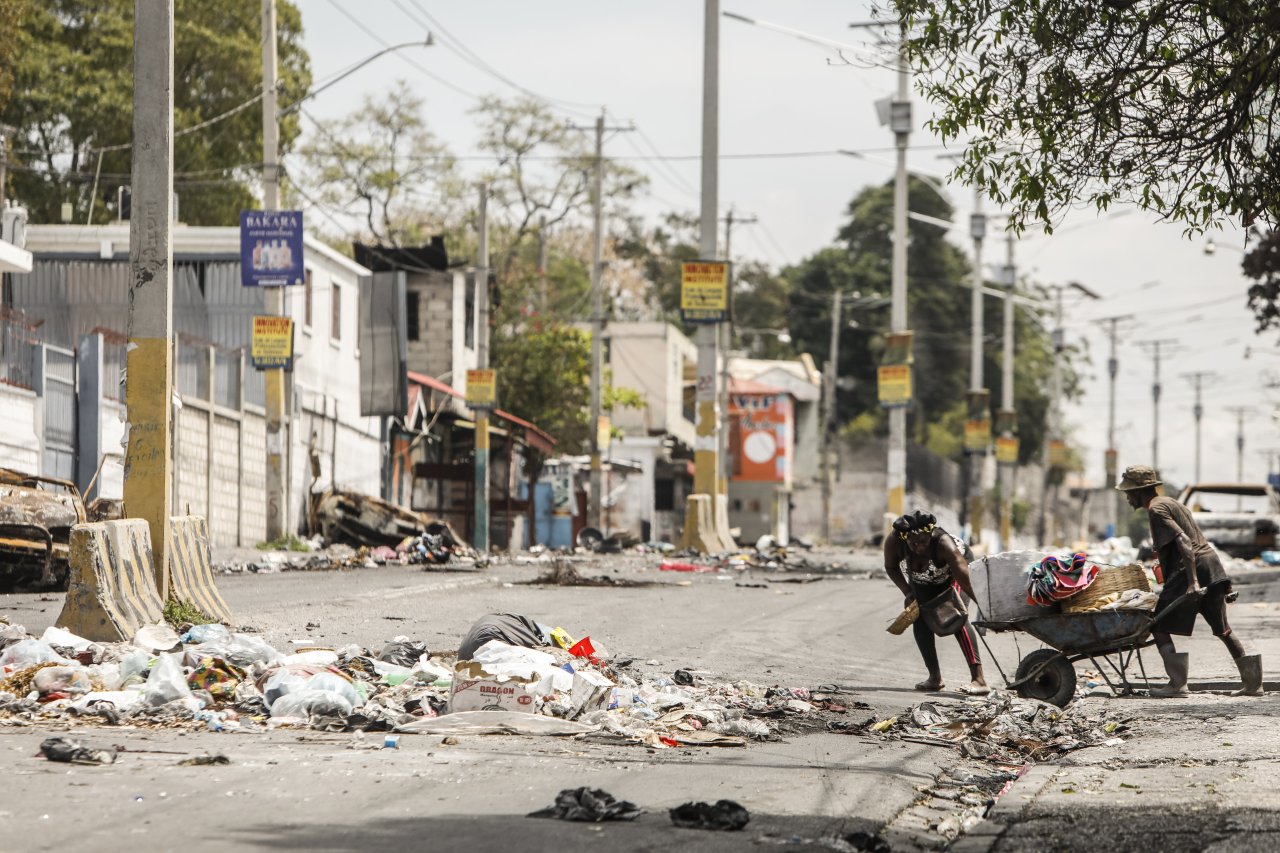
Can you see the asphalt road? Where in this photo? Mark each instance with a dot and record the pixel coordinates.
(294, 789)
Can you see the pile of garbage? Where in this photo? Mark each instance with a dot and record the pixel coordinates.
(213, 677)
(1003, 729)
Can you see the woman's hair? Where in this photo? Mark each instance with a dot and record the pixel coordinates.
(916, 522)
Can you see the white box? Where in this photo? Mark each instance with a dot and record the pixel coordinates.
(591, 690)
(476, 689)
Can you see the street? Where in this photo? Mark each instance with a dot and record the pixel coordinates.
(299, 789)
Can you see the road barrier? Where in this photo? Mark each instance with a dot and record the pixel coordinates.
(111, 591)
(191, 567)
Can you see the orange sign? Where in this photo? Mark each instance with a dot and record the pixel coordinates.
(762, 431)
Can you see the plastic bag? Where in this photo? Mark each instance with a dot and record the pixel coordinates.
(132, 668)
(403, 651)
(210, 633)
(304, 704)
(157, 638)
(55, 636)
(167, 682)
(239, 649)
(331, 683)
(318, 657)
(62, 679)
(27, 653)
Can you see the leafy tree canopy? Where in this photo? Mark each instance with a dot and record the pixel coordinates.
(72, 97)
(1168, 104)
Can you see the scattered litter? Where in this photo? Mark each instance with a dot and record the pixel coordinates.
(73, 752)
(589, 805)
(204, 761)
(725, 815)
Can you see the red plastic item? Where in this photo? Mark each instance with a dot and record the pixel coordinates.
(583, 649)
(679, 566)
(669, 741)
(1158, 572)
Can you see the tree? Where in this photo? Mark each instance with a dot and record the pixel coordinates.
(72, 99)
(13, 13)
(1262, 264)
(1168, 104)
(384, 166)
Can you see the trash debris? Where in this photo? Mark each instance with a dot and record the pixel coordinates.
(403, 651)
(725, 815)
(589, 805)
(72, 751)
(205, 761)
(866, 842)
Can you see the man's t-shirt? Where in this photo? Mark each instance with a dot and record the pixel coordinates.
(1167, 517)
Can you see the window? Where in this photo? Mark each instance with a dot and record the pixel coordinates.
(335, 331)
(664, 495)
(306, 299)
(411, 317)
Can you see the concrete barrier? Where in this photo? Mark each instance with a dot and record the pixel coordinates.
(191, 567)
(111, 591)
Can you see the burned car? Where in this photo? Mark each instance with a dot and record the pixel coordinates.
(36, 516)
(1242, 519)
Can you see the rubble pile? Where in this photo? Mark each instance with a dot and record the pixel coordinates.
(1003, 729)
(212, 677)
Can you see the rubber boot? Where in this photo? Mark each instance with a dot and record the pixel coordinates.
(1176, 665)
(1250, 675)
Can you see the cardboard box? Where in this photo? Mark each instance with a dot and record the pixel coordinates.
(591, 690)
(476, 689)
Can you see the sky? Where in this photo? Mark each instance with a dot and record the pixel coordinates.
(800, 103)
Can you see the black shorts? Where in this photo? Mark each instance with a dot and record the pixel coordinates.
(1212, 606)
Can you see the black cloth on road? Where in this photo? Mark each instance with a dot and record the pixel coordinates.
(724, 815)
(589, 804)
(509, 628)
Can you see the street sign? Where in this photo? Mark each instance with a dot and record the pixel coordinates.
(1059, 457)
(704, 291)
(482, 389)
(894, 385)
(272, 345)
(271, 248)
(1006, 450)
(604, 433)
(977, 435)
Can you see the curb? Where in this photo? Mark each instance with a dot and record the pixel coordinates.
(983, 837)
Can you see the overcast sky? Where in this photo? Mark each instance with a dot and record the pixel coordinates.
(781, 95)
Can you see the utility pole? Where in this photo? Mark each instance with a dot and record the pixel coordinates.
(4, 163)
(1110, 467)
(1198, 411)
(480, 535)
(979, 399)
(149, 368)
(1154, 347)
(726, 340)
(1240, 412)
(901, 126)
(273, 378)
(1008, 417)
(829, 414)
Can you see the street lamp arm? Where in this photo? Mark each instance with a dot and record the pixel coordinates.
(288, 108)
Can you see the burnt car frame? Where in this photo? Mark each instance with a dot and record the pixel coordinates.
(1241, 519)
(36, 517)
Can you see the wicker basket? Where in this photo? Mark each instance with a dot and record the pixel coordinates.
(1110, 580)
(905, 618)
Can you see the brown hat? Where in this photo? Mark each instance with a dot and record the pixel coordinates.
(1138, 477)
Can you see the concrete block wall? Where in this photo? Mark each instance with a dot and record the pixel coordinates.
(19, 441)
(192, 463)
(225, 487)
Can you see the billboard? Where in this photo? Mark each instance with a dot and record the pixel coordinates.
(704, 291)
(482, 389)
(272, 345)
(271, 248)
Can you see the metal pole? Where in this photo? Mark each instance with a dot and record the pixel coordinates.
(707, 425)
(4, 162)
(1240, 412)
(897, 462)
(1109, 459)
(273, 378)
(1155, 346)
(1047, 526)
(149, 370)
(1198, 411)
(597, 329)
(1006, 397)
(480, 535)
(978, 394)
(727, 342)
(828, 422)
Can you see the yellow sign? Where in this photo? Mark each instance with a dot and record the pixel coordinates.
(977, 435)
(604, 433)
(894, 385)
(1059, 456)
(1007, 450)
(704, 291)
(482, 389)
(272, 345)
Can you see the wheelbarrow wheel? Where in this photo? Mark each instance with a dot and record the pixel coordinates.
(1055, 682)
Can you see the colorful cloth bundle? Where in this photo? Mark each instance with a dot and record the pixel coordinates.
(1053, 579)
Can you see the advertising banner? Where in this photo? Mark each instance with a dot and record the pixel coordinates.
(482, 389)
(704, 291)
(894, 385)
(271, 248)
(977, 435)
(1007, 450)
(272, 345)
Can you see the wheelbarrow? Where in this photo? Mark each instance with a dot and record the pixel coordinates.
(1114, 637)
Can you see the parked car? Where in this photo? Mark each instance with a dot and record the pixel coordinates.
(36, 515)
(1242, 519)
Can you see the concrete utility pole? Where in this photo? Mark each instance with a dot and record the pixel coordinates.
(597, 329)
(829, 414)
(149, 368)
(480, 536)
(978, 397)
(274, 377)
(1198, 411)
(1240, 412)
(726, 339)
(1109, 460)
(1008, 416)
(901, 126)
(1154, 347)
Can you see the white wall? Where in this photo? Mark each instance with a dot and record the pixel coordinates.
(19, 443)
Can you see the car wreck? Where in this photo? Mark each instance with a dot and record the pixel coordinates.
(1241, 519)
(36, 516)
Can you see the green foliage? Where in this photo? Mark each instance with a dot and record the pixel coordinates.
(1262, 264)
(13, 13)
(181, 613)
(73, 95)
(1166, 104)
(284, 543)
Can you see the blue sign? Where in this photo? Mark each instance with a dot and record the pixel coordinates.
(270, 248)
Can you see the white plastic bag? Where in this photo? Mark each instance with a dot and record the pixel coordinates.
(167, 681)
(132, 666)
(212, 632)
(303, 704)
(26, 653)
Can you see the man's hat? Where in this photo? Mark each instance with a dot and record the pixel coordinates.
(1138, 477)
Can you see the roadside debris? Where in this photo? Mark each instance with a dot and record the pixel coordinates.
(562, 573)
(73, 752)
(725, 815)
(589, 805)
(205, 761)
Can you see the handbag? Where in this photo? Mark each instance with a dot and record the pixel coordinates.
(946, 614)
